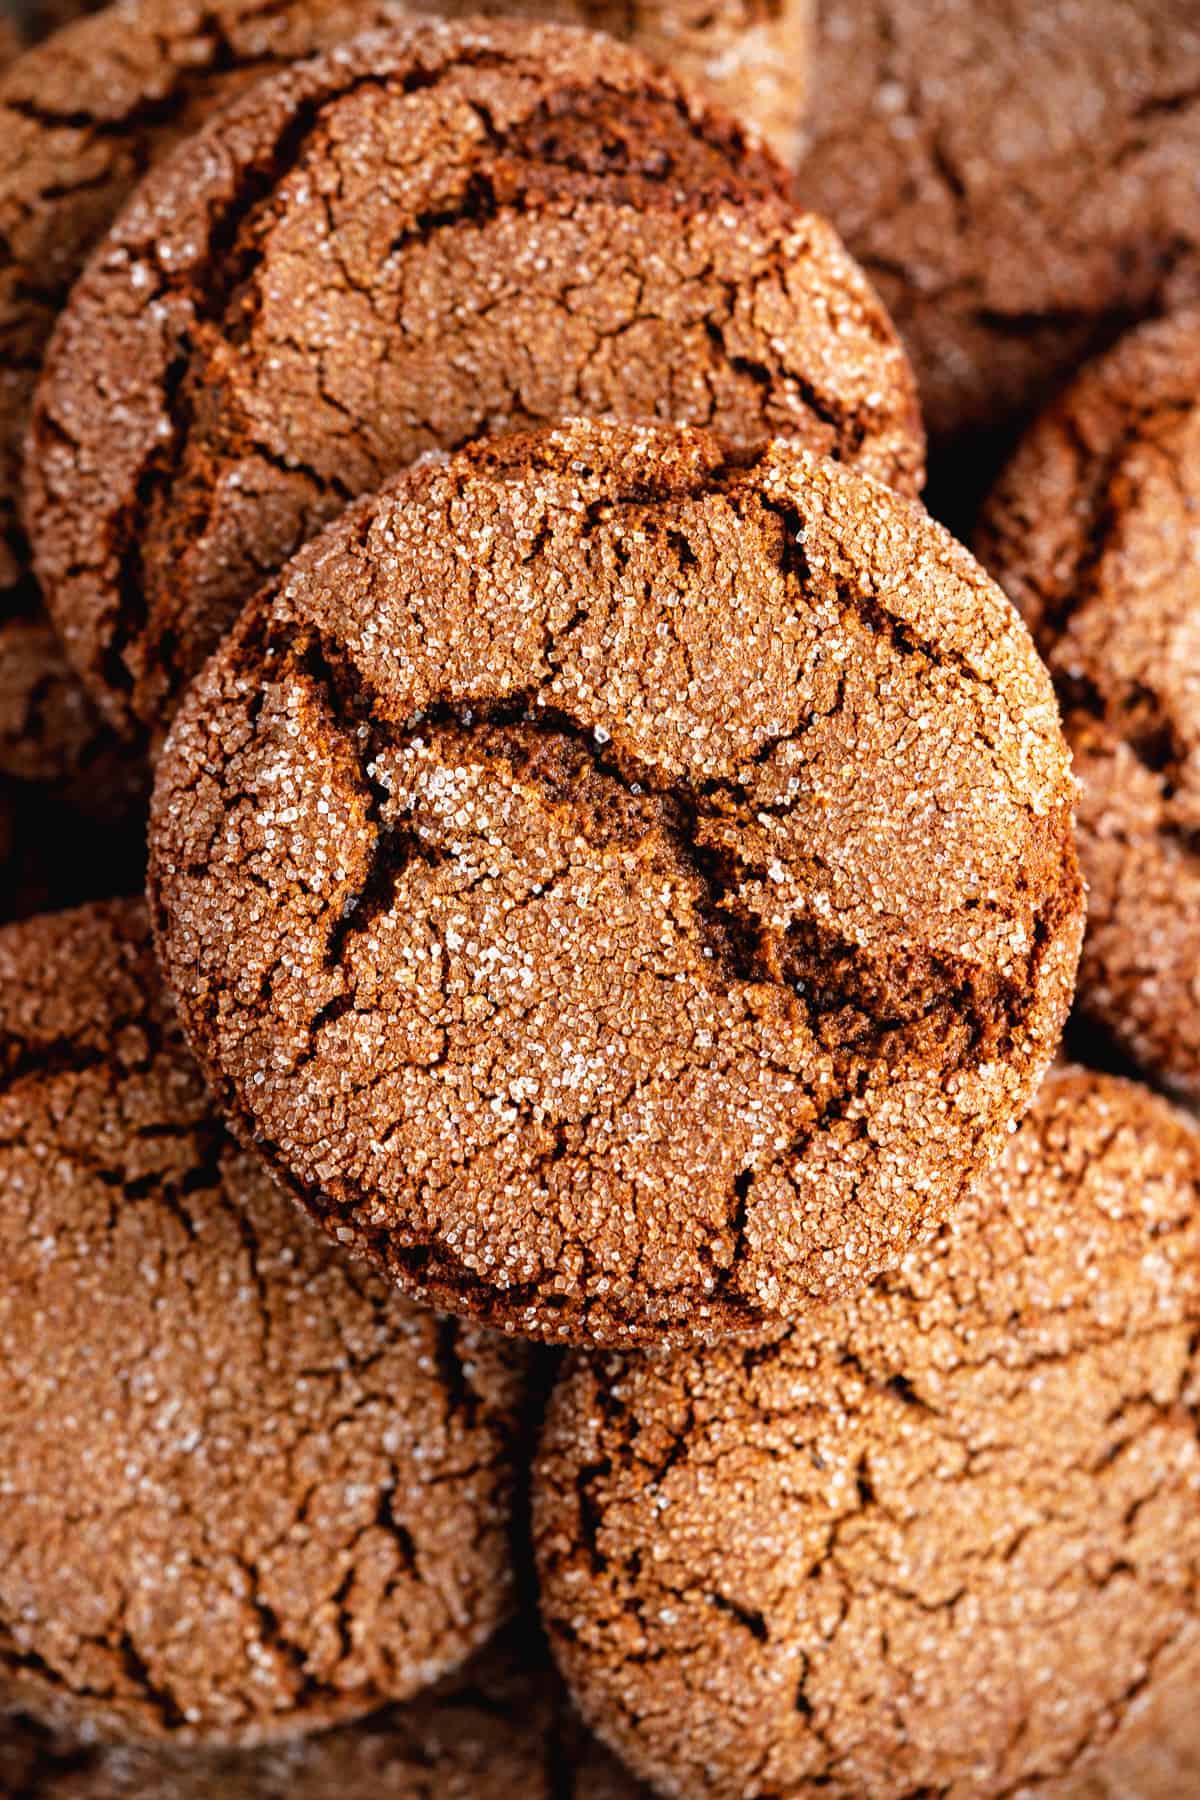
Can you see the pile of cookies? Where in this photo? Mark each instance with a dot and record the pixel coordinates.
(547, 1250)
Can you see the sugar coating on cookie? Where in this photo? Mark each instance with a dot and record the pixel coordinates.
(941, 1536)
(502, 1729)
(1092, 530)
(427, 236)
(1018, 179)
(247, 1489)
(81, 119)
(622, 890)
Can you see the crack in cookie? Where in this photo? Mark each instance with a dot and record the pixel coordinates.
(622, 889)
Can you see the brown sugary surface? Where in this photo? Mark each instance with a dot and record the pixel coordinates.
(503, 1730)
(938, 1539)
(81, 118)
(1094, 531)
(1019, 179)
(624, 891)
(246, 1489)
(394, 249)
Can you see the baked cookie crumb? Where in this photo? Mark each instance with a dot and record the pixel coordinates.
(939, 1537)
(248, 1491)
(625, 890)
(1091, 530)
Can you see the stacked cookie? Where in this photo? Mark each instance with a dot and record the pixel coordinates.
(612, 884)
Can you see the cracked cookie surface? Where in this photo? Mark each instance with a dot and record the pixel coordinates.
(503, 1729)
(1092, 531)
(81, 119)
(248, 1490)
(624, 892)
(1017, 179)
(430, 235)
(937, 1539)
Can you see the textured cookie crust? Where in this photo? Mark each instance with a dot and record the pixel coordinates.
(1092, 530)
(936, 1540)
(81, 119)
(427, 236)
(504, 1730)
(1018, 179)
(623, 891)
(247, 1489)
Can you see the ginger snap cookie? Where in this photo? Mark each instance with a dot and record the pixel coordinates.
(502, 1730)
(1019, 180)
(1092, 530)
(81, 119)
(938, 1538)
(390, 250)
(624, 889)
(248, 1490)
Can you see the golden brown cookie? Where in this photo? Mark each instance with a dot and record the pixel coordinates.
(502, 1730)
(1092, 530)
(624, 891)
(1018, 179)
(81, 118)
(247, 1489)
(939, 1538)
(393, 249)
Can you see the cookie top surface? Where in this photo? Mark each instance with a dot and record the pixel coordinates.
(1092, 530)
(247, 1488)
(502, 1730)
(936, 1539)
(1018, 179)
(430, 235)
(81, 119)
(624, 891)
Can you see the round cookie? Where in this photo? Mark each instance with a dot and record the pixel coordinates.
(504, 1730)
(421, 238)
(1092, 531)
(938, 1538)
(1017, 179)
(248, 1490)
(624, 891)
